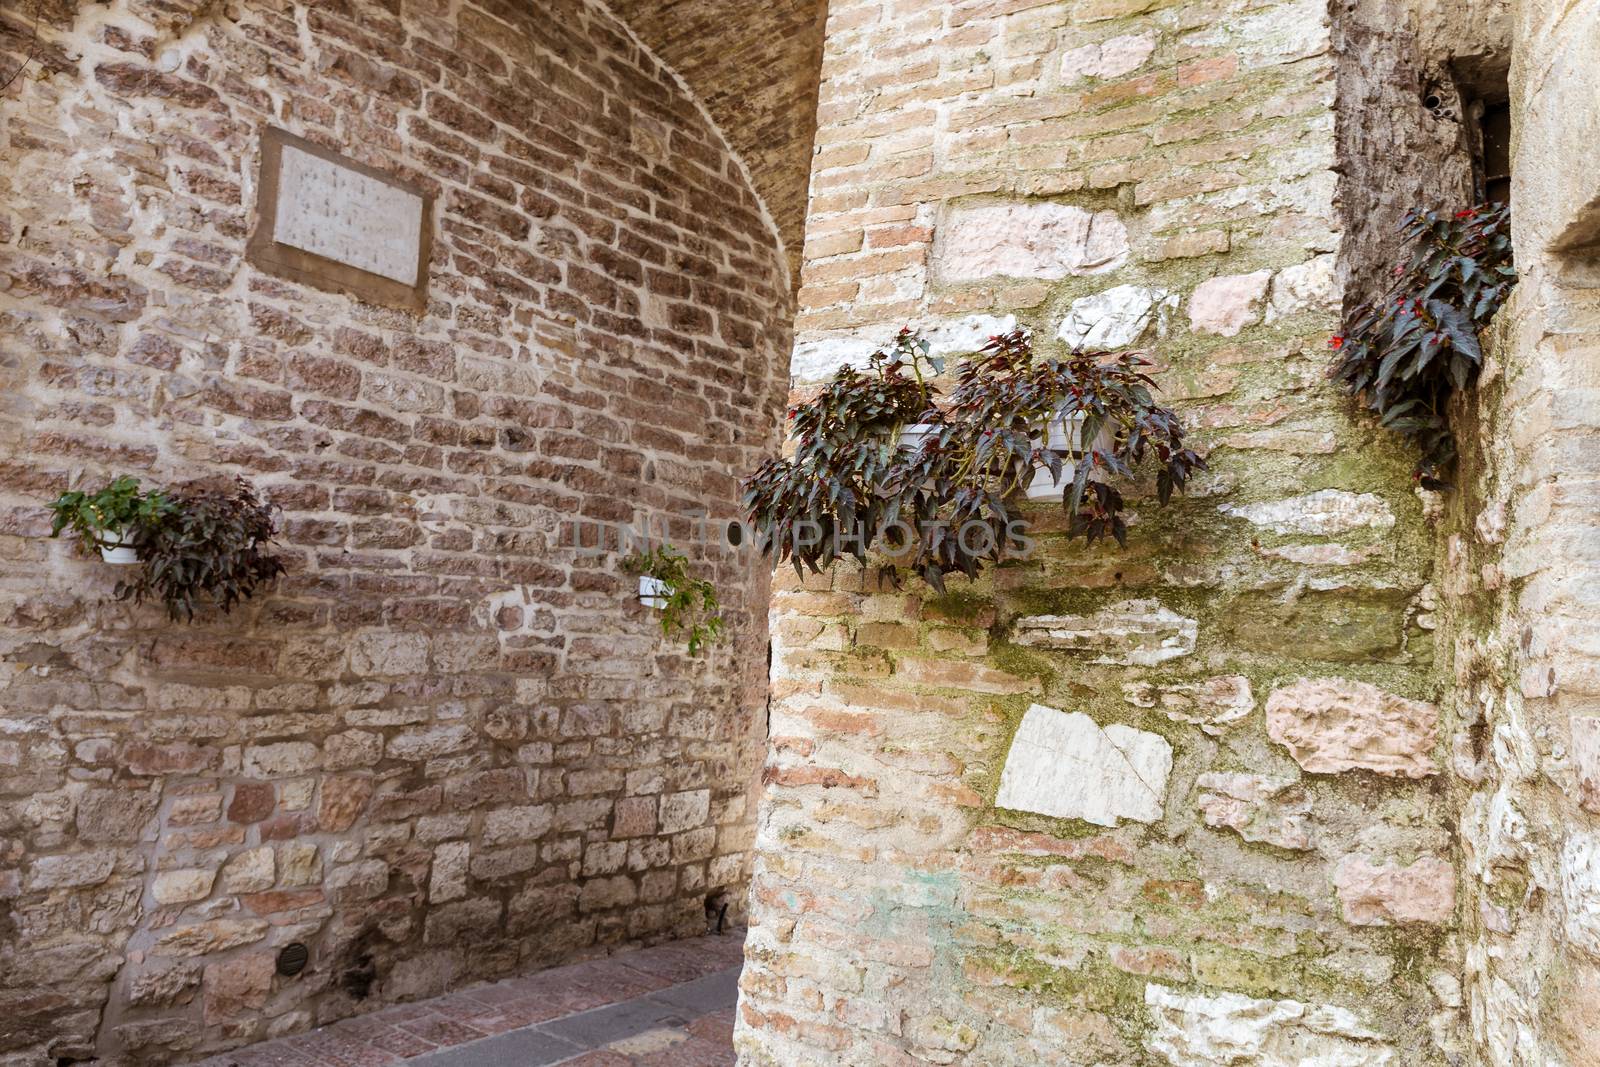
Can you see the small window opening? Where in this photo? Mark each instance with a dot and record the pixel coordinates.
(1487, 114)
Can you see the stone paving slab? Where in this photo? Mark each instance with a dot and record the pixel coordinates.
(667, 1006)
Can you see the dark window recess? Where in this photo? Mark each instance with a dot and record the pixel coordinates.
(1495, 136)
(1486, 121)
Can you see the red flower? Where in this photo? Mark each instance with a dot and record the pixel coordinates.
(1336, 342)
(1466, 213)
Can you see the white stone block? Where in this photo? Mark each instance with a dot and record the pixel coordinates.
(1133, 633)
(1068, 766)
(1232, 1030)
(337, 212)
(1323, 513)
(1028, 240)
(1116, 318)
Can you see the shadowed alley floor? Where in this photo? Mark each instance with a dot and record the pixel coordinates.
(668, 1006)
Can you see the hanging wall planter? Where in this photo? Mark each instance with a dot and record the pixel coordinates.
(192, 548)
(653, 592)
(117, 549)
(686, 603)
(1014, 424)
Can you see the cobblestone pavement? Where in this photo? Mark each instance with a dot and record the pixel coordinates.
(668, 1006)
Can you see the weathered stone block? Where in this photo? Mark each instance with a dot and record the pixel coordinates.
(1227, 305)
(1132, 633)
(182, 886)
(1331, 725)
(1214, 705)
(1116, 318)
(1230, 1029)
(1068, 766)
(1386, 895)
(1275, 811)
(1586, 760)
(1323, 513)
(1028, 240)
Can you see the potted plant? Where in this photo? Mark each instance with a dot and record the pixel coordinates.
(199, 546)
(685, 602)
(106, 520)
(1405, 354)
(947, 504)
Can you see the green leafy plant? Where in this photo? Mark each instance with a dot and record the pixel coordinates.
(690, 603)
(101, 518)
(196, 547)
(944, 498)
(1404, 355)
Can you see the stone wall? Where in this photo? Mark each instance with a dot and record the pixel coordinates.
(449, 745)
(1184, 803)
(1523, 559)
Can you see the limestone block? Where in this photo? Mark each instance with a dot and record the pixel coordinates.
(430, 743)
(77, 869)
(218, 935)
(817, 359)
(1586, 760)
(1213, 704)
(183, 886)
(1231, 1029)
(1308, 286)
(1388, 895)
(251, 871)
(517, 826)
(280, 760)
(1066, 765)
(1132, 633)
(1111, 58)
(448, 879)
(1580, 890)
(685, 811)
(1275, 811)
(237, 986)
(1228, 304)
(1331, 725)
(1028, 240)
(1323, 513)
(115, 815)
(300, 864)
(1116, 318)
(342, 801)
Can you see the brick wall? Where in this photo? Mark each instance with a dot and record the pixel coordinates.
(448, 746)
(1271, 877)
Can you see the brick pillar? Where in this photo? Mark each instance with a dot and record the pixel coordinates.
(1251, 830)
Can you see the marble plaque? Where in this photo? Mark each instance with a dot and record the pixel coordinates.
(331, 210)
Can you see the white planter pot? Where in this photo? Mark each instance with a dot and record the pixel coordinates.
(1066, 434)
(912, 436)
(118, 550)
(653, 592)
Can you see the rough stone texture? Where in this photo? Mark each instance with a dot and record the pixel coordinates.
(1333, 724)
(1115, 319)
(1067, 766)
(1136, 632)
(1387, 894)
(900, 913)
(1049, 241)
(1196, 1031)
(1275, 811)
(346, 762)
(1214, 705)
(1326, 512)
(1227, 305)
